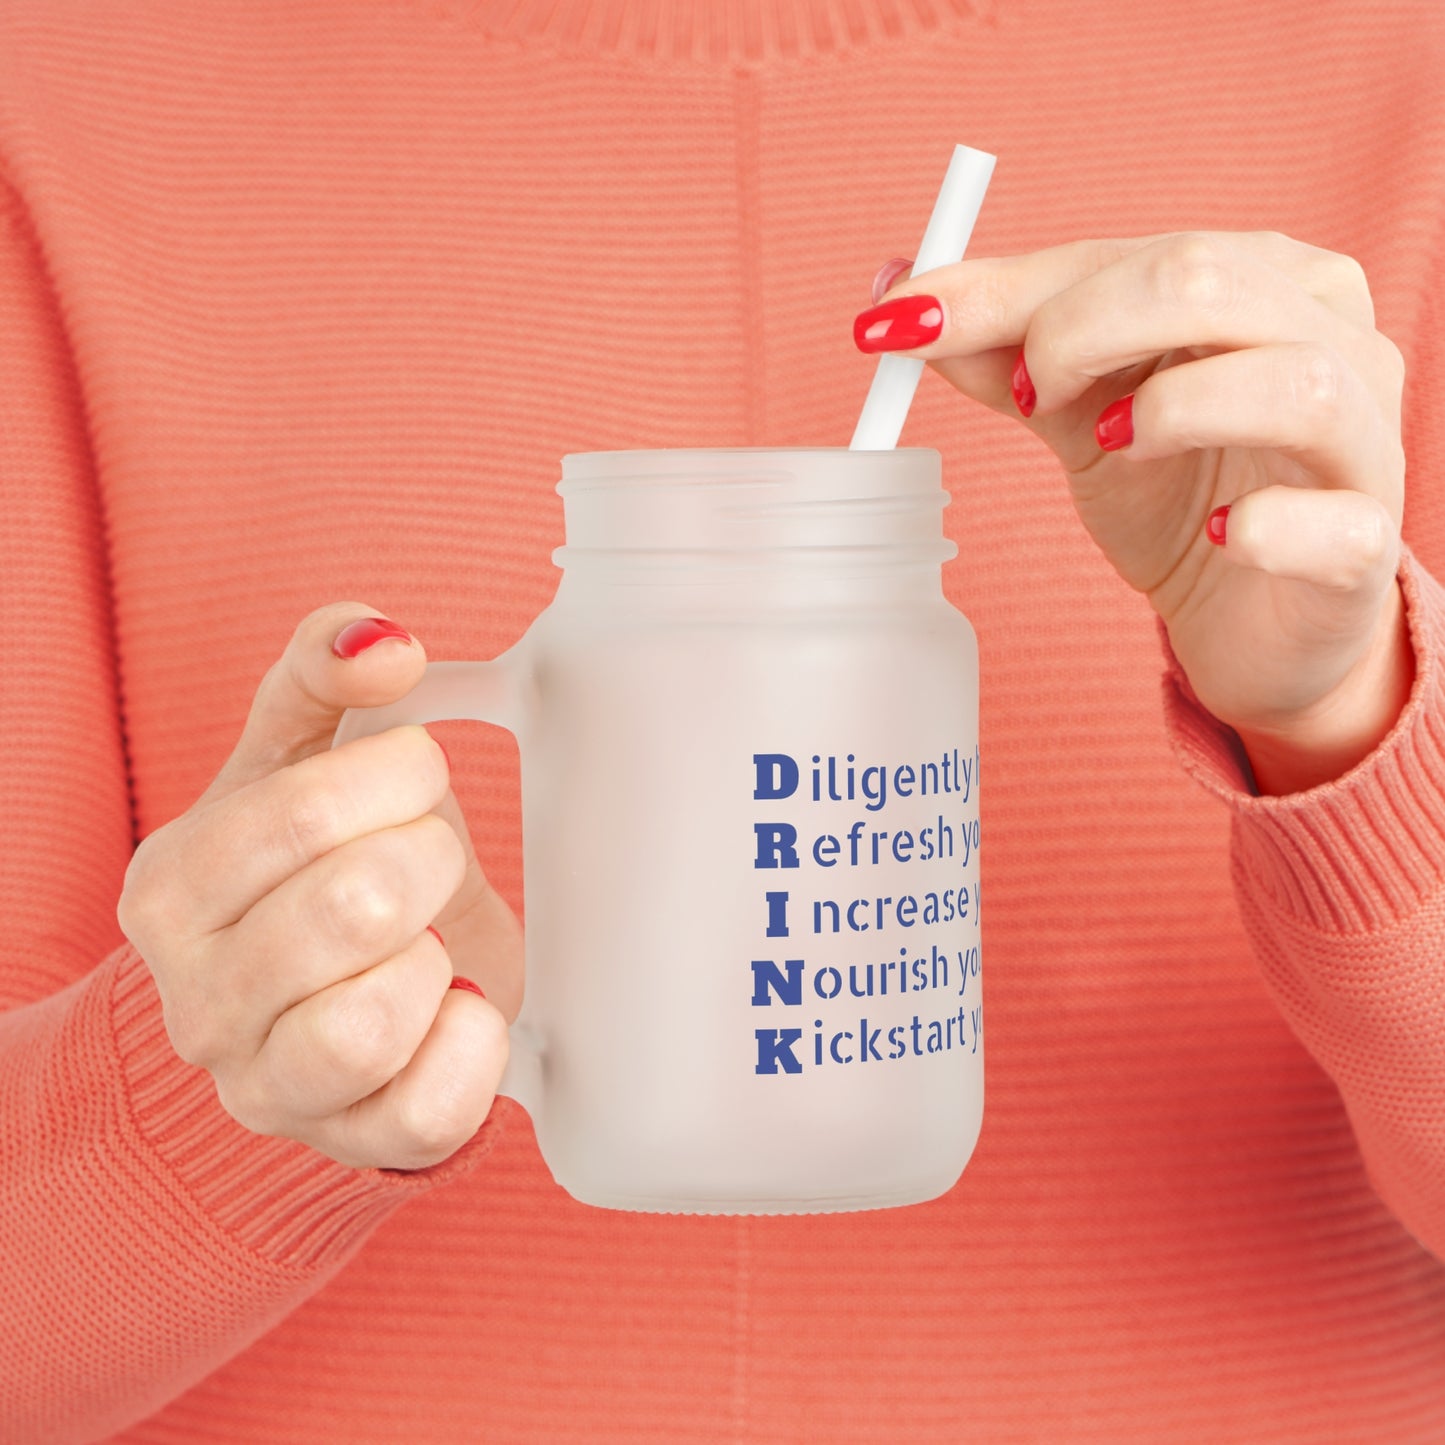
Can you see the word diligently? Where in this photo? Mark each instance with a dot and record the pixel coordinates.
(779, 775)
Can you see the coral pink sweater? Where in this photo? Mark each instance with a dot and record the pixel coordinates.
(303, 302)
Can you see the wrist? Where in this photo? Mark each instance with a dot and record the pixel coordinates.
(1347, 725)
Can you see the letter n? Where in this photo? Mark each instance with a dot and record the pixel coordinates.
(766, 974)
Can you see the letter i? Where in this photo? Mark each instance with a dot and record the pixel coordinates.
(818, 1042)
(777, 915)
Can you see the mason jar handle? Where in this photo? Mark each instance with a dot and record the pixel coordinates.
(490, 692)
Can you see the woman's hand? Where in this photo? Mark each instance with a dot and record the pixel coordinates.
(1229, 421)
(286, 917)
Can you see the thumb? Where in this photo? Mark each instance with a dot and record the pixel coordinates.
(341, 656)
(1343, 543)
(349, 655)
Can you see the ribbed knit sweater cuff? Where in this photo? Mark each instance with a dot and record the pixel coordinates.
(1358, 853)
(284, 1201)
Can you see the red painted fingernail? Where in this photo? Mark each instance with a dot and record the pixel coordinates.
(436, 935)
(899, 325)
(1115, 427)
(460, 982)
(888, 273)
(1215, 525)
(357, 636)
(1023, 387)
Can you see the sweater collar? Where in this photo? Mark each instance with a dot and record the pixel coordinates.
(719, 30)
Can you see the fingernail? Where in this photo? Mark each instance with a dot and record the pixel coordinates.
(1023, 387)
(357, 636)
(1215, 525)
(436, 935)
(888, 273)
(460, 982)
(1115, 427)
(899, 325)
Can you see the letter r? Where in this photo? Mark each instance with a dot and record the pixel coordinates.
(777, 845)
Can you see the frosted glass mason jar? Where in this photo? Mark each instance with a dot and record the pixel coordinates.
(748, 729)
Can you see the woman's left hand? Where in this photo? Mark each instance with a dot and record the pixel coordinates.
(1178, 375)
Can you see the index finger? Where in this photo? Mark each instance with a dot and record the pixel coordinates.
(988, 301)
(235, 850)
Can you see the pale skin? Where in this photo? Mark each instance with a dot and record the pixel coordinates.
(284, 915)
(1259, 381)
(284, 918)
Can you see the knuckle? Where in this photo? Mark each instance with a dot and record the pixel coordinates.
(1373, 539)
(192, 1031)
(1347, 273)
(361, 1034)
(1318, 383)
(1347, 572)
(1361, 541)
(310, 819)
(1170, 414)
(981, 308)
(1394, 472)
(250, 1106)
(143, 895)
(360, 904)
(1340, 282)
(450, 858)
(1393, 360)
(436, 1125)
(133, 905)
(1196, 272)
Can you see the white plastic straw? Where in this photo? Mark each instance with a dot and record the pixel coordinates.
(944, 242)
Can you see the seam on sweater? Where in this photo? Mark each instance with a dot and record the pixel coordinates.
(21, 223)
(748, 198)
(742, 1313)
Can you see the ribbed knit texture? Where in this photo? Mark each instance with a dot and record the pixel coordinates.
(302, 302)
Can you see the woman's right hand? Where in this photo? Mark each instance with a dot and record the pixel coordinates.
(285, 918)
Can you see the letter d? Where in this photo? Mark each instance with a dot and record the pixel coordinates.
(777, 776)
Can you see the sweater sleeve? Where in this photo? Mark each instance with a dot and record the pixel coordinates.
(1342, 892)
(145, 1236)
